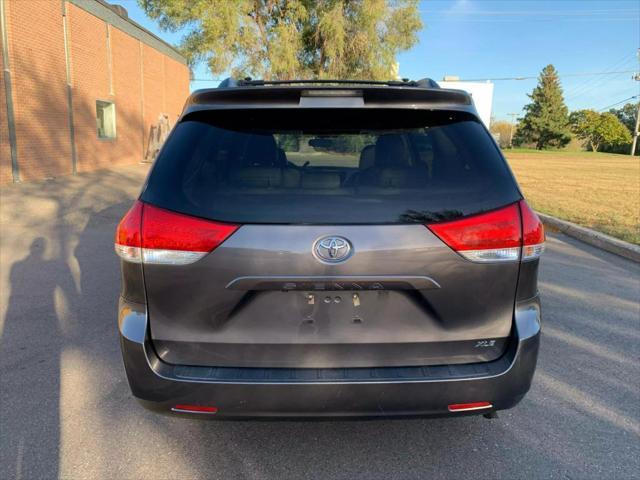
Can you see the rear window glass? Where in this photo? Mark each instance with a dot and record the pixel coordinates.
(330, 167)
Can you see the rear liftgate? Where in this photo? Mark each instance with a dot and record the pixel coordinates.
(446, 296)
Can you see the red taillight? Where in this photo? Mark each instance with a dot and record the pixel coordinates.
(468, 407)
(488, 237)
(495, 236)
(129, 235)
(174, 238)
(194, 409)
(154, 235)
(532, 233)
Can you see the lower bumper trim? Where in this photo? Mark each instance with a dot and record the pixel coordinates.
(385, 391)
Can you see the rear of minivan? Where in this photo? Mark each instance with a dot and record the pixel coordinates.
(329, 251)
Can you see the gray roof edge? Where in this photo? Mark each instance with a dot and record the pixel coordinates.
(100, 9)
(194, 107)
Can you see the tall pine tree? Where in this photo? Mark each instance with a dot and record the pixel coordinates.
(546, 119)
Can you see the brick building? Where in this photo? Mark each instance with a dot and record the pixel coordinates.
(81, 87)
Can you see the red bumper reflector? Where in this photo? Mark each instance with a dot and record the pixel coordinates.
(194, 409)
(467, 407)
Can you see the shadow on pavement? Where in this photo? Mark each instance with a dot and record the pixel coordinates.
(31, 340)
(50, 311)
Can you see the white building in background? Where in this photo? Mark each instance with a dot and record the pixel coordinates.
(481, 92)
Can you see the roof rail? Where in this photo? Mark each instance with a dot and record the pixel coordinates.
(228, 83)
(427, 83)
(405, 82)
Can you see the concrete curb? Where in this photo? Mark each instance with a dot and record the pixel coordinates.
(597, 239)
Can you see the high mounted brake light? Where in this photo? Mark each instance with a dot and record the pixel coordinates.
(503, 235)
(152, 235)
(331, 93)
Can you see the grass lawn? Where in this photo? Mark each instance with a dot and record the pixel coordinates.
(596, 190)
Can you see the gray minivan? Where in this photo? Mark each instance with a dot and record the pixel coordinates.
(329, 248)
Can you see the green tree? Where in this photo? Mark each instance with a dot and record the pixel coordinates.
(271, 39)
(599, 130)
(545, 123)
(627, 115)
(504, 131)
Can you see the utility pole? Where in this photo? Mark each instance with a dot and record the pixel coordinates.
(636, 77)
(513, 116)
(635, 130)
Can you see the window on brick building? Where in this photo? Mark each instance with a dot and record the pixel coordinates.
(106, 119)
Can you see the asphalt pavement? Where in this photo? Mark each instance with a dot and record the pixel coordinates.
(66, 410)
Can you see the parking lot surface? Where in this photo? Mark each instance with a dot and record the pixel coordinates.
(66, 410)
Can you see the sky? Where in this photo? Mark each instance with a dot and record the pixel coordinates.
(490, 40)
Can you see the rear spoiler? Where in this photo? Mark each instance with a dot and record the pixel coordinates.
(249, 94)
(249, 82)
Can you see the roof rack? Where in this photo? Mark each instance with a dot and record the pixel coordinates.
(405, 82)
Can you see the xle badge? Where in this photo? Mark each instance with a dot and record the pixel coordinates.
(485, 343)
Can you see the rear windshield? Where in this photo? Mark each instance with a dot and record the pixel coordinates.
(330, 167)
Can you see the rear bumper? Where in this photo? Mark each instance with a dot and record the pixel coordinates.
(329, 392)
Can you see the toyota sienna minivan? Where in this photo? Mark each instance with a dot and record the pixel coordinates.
(329, 248)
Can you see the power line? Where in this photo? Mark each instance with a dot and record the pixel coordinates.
(618, 103)
(466, 14)
(492, 79)
(531, 77)
(502, 13)
(515, 20)
(595, 82)
(600, 84)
